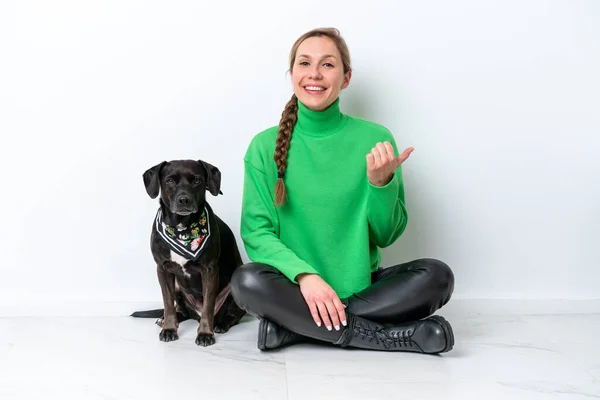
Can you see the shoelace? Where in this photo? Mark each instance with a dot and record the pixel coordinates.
(400, 338)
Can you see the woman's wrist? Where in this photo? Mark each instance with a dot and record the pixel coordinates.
(382, 182)
(303, 275)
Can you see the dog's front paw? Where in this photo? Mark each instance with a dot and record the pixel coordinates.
(224, 325)
(205, 339)
(168, 335)
(221, 329)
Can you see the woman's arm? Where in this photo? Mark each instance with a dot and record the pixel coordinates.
(259, 227)
(386, 208)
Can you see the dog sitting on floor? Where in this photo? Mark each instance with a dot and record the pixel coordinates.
(194, 250)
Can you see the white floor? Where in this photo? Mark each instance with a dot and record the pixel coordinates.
(496, 357)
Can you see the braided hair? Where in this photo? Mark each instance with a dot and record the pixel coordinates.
(289, 116)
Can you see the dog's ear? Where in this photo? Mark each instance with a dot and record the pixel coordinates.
(151, 180)
(213, 178)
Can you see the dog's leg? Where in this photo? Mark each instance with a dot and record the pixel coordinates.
(168, 332)
(180, 318)
(222, 297)
(210, 286)
(229, 315)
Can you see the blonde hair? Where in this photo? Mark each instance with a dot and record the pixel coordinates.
(290, 112)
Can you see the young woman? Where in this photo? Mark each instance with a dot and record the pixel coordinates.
(323, 192)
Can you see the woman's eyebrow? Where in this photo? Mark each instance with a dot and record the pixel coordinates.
(324, 56)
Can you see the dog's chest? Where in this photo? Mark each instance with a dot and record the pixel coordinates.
(181, 261)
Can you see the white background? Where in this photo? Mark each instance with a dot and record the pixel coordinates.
(501, 100)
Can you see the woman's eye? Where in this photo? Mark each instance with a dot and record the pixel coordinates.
(304, 63)
(328, 64)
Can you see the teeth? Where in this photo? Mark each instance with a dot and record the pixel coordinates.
(314, 88)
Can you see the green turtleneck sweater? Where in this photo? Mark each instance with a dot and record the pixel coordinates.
(334, 220)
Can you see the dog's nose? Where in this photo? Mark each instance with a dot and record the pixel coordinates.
(184, 200)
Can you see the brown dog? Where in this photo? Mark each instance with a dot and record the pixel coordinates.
(194, 250)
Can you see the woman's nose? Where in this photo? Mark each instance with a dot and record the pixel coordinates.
(315, 72)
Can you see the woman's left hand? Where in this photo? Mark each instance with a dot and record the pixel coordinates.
(382, 163)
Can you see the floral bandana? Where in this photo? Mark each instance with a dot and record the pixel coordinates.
(187, 241)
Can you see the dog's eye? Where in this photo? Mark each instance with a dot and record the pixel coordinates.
(196, 181)
(170, 181)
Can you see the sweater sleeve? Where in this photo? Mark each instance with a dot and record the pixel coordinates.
(386, 209)
(259, 227)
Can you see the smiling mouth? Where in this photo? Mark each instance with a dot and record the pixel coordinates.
(314, 89)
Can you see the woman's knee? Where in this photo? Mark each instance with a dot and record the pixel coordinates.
(250, 285)
(246, 279)
(440, 273)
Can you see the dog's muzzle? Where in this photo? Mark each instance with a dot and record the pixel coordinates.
(184, 205)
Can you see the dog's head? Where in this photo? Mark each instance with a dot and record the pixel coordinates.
(182, 184)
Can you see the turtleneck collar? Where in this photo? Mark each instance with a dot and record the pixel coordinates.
(320, 123)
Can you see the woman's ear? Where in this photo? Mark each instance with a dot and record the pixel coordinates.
(347, 79)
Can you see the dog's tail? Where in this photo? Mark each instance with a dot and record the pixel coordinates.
(158, 313)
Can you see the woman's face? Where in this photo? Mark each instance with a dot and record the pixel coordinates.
(318, 73)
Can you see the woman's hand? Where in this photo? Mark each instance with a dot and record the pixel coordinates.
(382, 163)
(322, 301)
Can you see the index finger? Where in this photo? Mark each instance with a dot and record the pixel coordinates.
(341, 310)
(390, 149)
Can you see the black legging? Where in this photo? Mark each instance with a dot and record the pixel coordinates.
(405, 292)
